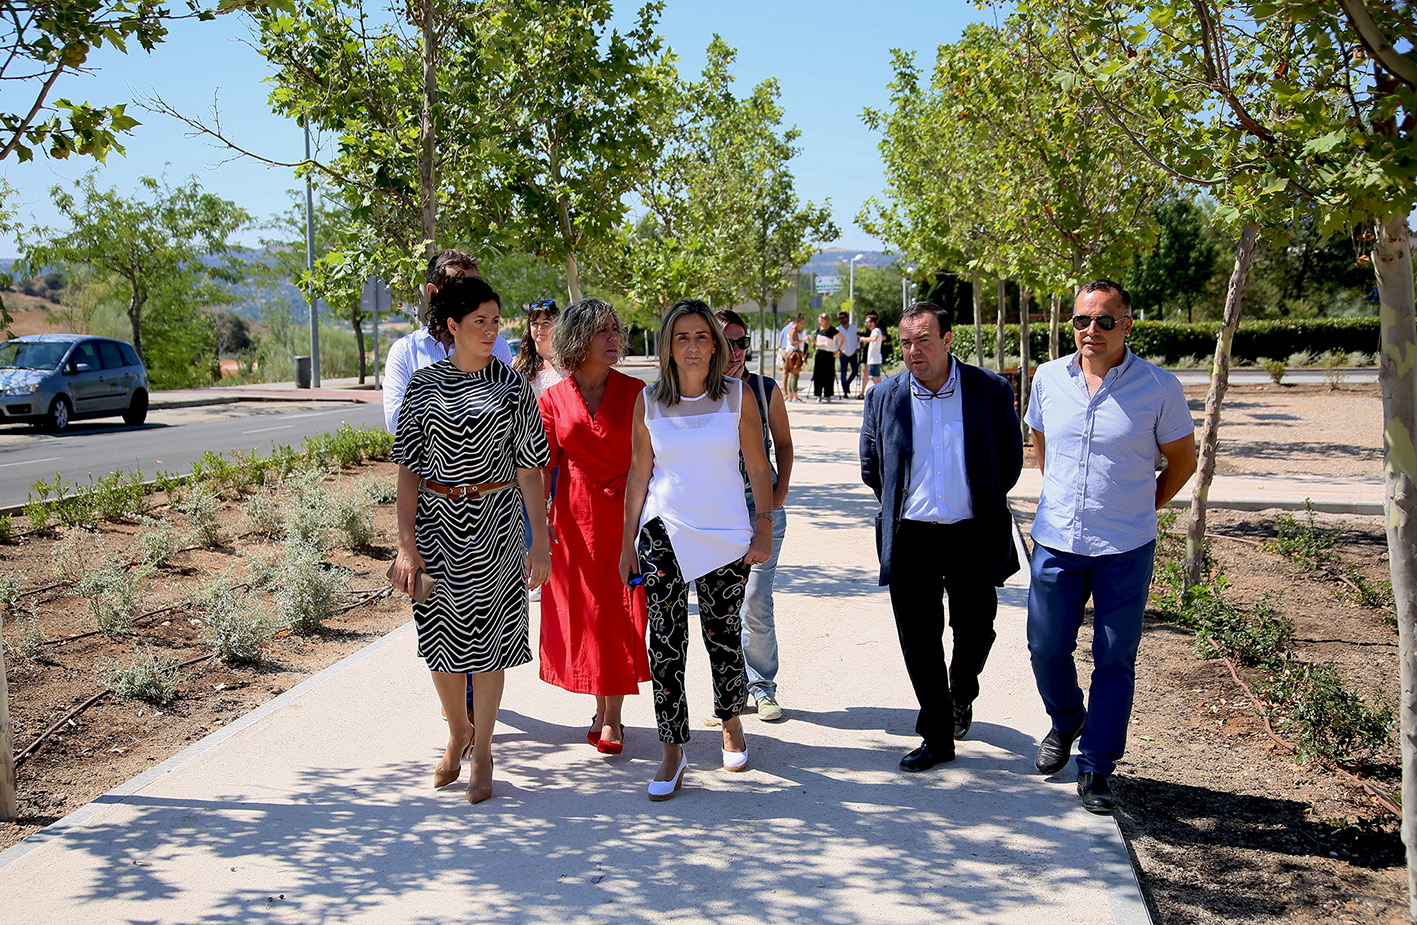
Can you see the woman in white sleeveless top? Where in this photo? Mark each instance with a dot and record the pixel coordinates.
(686, 520)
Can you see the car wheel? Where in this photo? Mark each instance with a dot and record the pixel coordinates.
(58, 417)
(137, 411)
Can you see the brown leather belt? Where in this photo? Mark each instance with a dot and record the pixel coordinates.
(459, 492)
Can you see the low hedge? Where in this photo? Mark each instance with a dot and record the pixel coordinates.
(1174, 339)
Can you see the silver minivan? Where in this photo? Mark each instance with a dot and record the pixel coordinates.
(51, 379)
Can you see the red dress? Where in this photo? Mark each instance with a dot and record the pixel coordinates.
(592, 626)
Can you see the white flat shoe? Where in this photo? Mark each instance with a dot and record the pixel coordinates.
(735, 761)
(661, 790)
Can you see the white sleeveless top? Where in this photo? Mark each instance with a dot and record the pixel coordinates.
(696, 487)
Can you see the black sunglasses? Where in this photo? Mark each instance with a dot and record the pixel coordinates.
(1083, 322)
(740, 342)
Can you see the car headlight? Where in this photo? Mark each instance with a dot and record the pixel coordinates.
(21, 389)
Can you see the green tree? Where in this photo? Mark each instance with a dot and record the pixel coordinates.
(1180, 264)
(722, 218)
(172, 244)
(44, 41)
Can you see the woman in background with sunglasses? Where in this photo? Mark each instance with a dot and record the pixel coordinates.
(592, 625)
(534, 359)
(686, 520)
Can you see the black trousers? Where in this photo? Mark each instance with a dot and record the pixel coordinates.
(933, 561)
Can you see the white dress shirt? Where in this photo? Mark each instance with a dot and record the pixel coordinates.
(850, 339)
(410, 354)
(939, 487)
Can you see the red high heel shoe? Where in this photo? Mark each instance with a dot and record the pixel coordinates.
(611, 748)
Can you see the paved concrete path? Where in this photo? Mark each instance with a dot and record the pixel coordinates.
(318, 807)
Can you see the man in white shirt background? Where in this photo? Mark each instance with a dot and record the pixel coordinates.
(850, 353)
(417, 350)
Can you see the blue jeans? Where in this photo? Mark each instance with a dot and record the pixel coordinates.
(850, 368)
(1060, 585)
(759, 633)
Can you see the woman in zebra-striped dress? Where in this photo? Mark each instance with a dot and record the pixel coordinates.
(469, 433)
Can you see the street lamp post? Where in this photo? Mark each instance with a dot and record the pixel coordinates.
(851, 292)
(904, 289)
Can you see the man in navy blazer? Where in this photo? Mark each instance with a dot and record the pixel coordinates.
(941, 446)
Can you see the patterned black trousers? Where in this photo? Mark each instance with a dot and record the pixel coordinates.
(667, 600)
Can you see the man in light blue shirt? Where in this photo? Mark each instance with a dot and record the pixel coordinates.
(419, 349)
(1102, 421)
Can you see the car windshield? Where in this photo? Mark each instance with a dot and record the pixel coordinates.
(29, 354)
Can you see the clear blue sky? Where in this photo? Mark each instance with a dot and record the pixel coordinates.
(832, 59)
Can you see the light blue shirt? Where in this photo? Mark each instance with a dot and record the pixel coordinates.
(1102, 453)
(411, 353)
(939, 487)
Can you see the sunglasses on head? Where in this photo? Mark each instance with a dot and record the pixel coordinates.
(1083, 322)
(544, 303)
(740, 342)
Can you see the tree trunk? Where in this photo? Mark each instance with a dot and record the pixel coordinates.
(135, 318)
(1392, 261)
(359, 345)
(427, 172)
(1024, 296)
(1003, 295)
(1219, 381)
(978, 319)
(9, 801)
(573, 276)
(1055, 311)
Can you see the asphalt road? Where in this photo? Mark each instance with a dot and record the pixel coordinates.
(170, 441)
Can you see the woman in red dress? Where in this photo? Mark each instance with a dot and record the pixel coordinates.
(592, 626)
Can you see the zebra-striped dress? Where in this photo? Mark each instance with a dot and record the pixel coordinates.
(467, 429)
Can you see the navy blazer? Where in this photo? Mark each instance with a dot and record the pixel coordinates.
(993, 458)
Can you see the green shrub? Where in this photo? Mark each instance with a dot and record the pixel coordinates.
(32, 642)
(113, 595)
(1305, 543)
(157, 543)
(309, 591)
(352, 518)
(7, 528)
(235, 626)
(1333, 364)
(9, 595)
(201, 507)
(147, 677)
(37, 514)
(1275, 368)
(1257, 638)
(263, 514)
(1326, 720)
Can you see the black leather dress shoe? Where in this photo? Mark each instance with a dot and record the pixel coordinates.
(1057, 748)
(925, 757)
(964, 718)
(1096, 793)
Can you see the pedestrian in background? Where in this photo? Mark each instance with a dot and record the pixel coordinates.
(1102, 420)
(536, 359)
(850, 352)
(873, 340)
(759, 624)
(827, 344)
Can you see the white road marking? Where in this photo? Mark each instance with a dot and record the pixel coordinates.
(30, 462)
(263, 430)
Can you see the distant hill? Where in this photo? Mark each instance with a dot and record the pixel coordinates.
(826, 263)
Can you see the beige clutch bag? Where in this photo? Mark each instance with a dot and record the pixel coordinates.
(423, 584)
